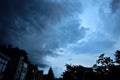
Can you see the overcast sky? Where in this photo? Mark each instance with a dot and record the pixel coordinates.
(56, 32)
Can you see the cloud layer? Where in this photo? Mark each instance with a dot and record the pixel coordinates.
(33, 25)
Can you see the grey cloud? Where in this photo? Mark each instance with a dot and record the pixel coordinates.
(72, 32)
(53, 38)
(43, 65)
(110, 19)
(17, 16)
(95, 45)
(68, 32)
(115, 5)
(37, 58)
(28, 24)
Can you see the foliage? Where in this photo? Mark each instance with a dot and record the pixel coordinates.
(76, 72)
(104, 69)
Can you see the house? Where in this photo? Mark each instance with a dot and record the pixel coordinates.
(14, 65)
(11, 63)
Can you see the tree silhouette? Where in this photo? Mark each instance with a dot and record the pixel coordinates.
(117, 57)
(104, 69)
(50, 75)
(104, 61)
(77, 72)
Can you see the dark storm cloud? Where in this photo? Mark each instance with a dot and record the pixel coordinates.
(52, 38)
(69, 32)
(38, 58)
(97, 44)
(18, 16)
(111, 19)
(115, 21)
(27, 24)
(115, 5)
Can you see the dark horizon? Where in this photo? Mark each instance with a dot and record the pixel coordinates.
(14, 62)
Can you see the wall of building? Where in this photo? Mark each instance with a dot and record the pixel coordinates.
(14, 65)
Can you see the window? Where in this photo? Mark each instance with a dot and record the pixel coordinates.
(3, 63)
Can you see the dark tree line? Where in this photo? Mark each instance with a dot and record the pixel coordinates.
(104, 69)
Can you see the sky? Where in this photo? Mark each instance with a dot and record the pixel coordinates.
(59, 32)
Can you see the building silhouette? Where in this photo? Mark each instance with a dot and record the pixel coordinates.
(11, 63)
(14, 65)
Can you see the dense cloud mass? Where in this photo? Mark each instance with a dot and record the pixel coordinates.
(23, 22)
(27, 16)
(115, 5)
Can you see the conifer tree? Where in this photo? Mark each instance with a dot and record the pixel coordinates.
(50, 74)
